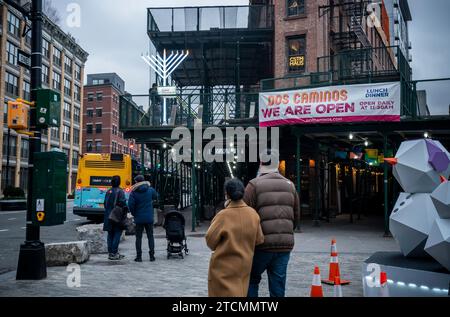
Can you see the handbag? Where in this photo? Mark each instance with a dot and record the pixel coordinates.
(117, 213)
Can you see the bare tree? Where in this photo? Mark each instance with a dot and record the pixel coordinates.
(51, 12)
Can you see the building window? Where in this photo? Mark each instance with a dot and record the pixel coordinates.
(5, 114)
(98, 128)
(45, 71)
(67, 110)
(75, 158)
(99, 96)
(90, 97)
(13, 24)
(114, 130)
(11, 52)
(68, 65)
(67, 152)
(119, 149)
(66, 133)
(67, 87)
(77, 72)
(296, 54)
(114, 147)
(76, 115)
(55, 133)
(25, 149)
(56, 81)
(11, 84)
(89, 146)
(43, 147)
(76, 136)
(99, 112)
(98, 146)
(89, 129)
(26, 91)
(28, 36)
(45, 48)
(90, 113)
(56, 56)
(295, 7)
(77, 93)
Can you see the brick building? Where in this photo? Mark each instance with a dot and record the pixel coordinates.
(62, 70)
(308, 34)
(101, 116)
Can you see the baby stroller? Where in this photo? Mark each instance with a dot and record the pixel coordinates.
(176, 239)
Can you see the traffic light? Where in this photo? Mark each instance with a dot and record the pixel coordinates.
(18, 115)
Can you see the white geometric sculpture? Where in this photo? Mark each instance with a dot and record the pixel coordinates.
(441, 200)
(411, 222)
(438, 243)
(419, 165)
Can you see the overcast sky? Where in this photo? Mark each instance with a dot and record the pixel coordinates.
(113, 32)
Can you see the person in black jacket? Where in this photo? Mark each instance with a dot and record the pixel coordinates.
(115, 194)
(140, 204)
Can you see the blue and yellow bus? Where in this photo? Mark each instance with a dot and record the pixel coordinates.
(95, 172)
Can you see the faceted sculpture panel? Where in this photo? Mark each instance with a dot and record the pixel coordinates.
(438, 243)
(411, 221)
(441, 200)
(420, 163)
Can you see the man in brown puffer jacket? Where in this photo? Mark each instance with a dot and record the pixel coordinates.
(275, 199)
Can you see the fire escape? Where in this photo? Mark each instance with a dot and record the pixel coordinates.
(346, 25)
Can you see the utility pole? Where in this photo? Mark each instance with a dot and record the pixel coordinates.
(32, 264)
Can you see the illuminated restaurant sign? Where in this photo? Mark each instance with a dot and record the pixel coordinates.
(334, 104)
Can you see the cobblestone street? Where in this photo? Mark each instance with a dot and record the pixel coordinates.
(188, 276)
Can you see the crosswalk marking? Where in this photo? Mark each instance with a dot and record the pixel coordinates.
(4, 230)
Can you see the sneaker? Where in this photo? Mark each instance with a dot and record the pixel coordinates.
(121, 256)
(152, 258)
(114, 257)
(138, 259)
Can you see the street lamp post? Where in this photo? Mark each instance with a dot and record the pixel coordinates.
(32, 264)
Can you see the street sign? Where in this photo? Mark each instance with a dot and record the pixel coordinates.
(169, 90)
(23, 59)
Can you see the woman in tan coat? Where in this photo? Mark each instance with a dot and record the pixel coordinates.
(232, 236)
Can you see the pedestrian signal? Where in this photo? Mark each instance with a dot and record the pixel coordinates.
(18, 115)
(40, 216)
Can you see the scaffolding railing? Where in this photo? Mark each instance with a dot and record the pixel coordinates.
(209, 109)
(420, 99)
(192, 19)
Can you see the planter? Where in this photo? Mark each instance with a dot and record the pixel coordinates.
(13, 205)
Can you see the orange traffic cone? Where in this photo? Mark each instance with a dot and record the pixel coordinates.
(316, 287)
(334, 266)
(337, 287)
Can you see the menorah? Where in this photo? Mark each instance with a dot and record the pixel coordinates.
(164, 66)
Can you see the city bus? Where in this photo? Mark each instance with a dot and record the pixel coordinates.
(95, 172)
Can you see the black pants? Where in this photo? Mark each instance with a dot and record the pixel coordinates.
(151, 241)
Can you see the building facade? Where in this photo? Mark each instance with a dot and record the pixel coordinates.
(308, 33)
(101, 116)
(399, 14)
(62, 70)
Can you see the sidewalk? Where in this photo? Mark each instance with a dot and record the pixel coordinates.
(188, 276)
